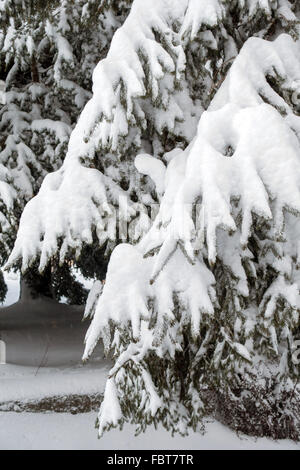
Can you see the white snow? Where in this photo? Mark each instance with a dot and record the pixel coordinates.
(24, 384)
(201, 13)
(124, 295)
(150, 166)
(76, 432)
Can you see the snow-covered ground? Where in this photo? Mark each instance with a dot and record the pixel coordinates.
(21, 383)
(66, 431)
(44, 360)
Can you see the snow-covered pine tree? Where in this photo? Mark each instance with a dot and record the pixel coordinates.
(133, 87)
(185, 321)
(202, 315)
(162, 69)
(34, 129)
(48, 51)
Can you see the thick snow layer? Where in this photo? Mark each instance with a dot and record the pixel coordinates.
(244, 150)
(150, 166)
(129, 304)
(23, 384)
(264, 161)
(199, 13)
(45, 218)
(76, 432)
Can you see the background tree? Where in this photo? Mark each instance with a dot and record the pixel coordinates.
(48, 51)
